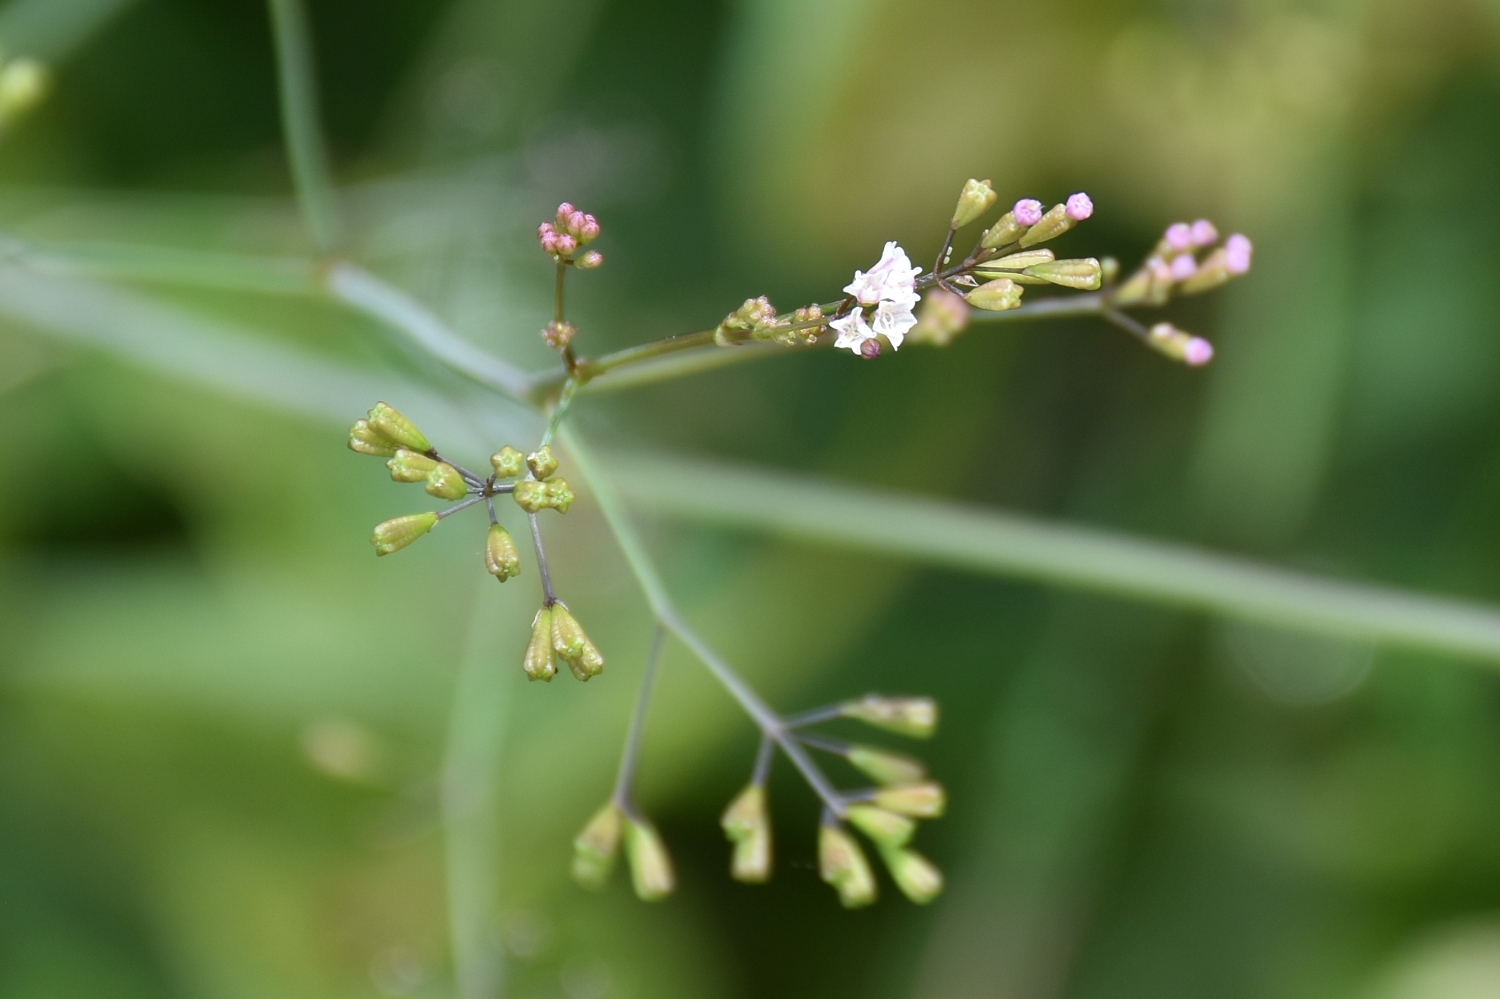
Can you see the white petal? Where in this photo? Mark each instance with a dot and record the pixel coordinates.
(853, 331)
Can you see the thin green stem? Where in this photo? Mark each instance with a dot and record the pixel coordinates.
(624, 794)
(299, 121)
(560, 411)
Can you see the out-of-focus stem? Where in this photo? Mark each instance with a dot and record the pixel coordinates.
(624, 796)
(299, 122)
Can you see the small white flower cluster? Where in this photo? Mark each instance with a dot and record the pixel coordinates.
(889, 286)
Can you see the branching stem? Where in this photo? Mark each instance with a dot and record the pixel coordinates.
(624, 794)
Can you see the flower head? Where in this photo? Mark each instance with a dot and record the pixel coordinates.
(1028, 211)
(1080, 207)
(893, 277)
(853, 331)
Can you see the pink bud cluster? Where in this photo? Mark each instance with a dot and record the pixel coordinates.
(572, 230)
(1175, 258)
(1029, 211)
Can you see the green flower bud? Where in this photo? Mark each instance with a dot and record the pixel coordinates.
(916, 876)
(842, 864)
(539, 663)
(541, 462)
(1006, 231)
(887, 768)
(999, 295)
(364, 440)
(572, 644)
(1053, 224)
(531, 495)
(1018, 261)
(596, 846)
(409, 466)
(444, 482)
(1136, 289)
(650, 864)
(500, 555)
(974, 200)
(395, 534)
(559, 496)
(921, 801)
(1213, 272)
(887, 829)
(1110, 268)
(913, 716)
(508, 462)
(1082, 274)
(23, 83)
(748, 825)
(390, 424)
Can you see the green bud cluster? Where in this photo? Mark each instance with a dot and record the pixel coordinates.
(597, 846)
(557, 635)
(755, 316)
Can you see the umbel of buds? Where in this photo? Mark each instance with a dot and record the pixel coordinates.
(567, 232)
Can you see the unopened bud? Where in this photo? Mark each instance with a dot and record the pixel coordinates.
(530, 495)
(590, 260)
(445, 482)
(558, 334)
(870, 349)
(748, 826)
(501, 558)
(943, 316)
(409, 466)
(886, 767)
(596, 847)
(389, 423)
(1135, 290)
(589, 230)
(364, 440)
(1079, 207)
(1237, 250)
(1204, 233)
(1003, 233)
(916, 876)
(1019, 261)
(1083, 274)
(999, 295)
(541, 462)
(571, 644)
(1174, 343)
(565, 245)
(650, 864)
(842, 864)
(559, 495)
(574, 223)
(395, 534)
(921, 801)
(538, 662)
(1213, 272)
(1183, 267)
(913, 716)
(1028, 211)
(1110, 268)
(508, 462)
(23, 83)
(976, 198)
(563, 211)
(1056, 222)
(887, 829)
(1178, 238)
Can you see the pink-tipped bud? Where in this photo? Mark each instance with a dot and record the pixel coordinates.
(1183, 267)
(1197, 352)
(575, 222)
(549, 241)
(1080, 207)
(1028, 211)
(1179, 237)
(1237, 251)
(565, 244)
(543, 229)
(869, 350)
(1205, 233)
(563, 211)
(589, 230)
(590, 260)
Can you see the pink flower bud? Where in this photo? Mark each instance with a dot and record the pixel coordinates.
(1028, 211)
(1204, 233)
(869, 350)
(1197, 352)
(1237, 254)
(575, 223)
(563, 211)
(590, 260)
(1179, 236)
(565, 244)
(1184, 267)
(549, 241)
(543, 229)
(1080, 207)
(589, 230)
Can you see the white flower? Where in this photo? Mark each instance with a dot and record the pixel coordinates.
(890, 286)
(894, 318)
(893, 278)
(853, 331)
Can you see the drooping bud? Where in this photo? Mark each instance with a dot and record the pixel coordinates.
(913, 716)
(409, 466)
(538, 662)
(1083, 274)
(508, 462)
(650, 864)
(916, 876)
(921, 801)
(389, 423)
(1028, 211)
(501, 558)
(842, 864)
(748, 826)
(395, 534)
(571, 644)
(976, 198)
(364, 440)
(886, 767)
(1237, 250)
(1079, 207)
(870, 349)
(1174, 343)
(999, 295)
(1056, 222)
(445, 482)
(542, 462)
(596, 847)
(590, 260)
(943, 316)
(23, 83)
(558, 334)
(887, 829)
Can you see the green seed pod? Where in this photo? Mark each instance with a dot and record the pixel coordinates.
(409, 466)
(913, 716)
(444, 482)
(842, 864)
(541, 462)
(887, 768)
(1004, 232)
(531, 495)
(916, 876)
(974, 200)
(887, 829)
(559, 496)
(501, 557)
(395, 534)
(748, 825)
(389, 423)
(1053, 224)
(508, 462)
(650, 864)
(596, 847)
(1019, 261)
(999, 295)
(921, 801)
(364, 440)
(539, 663)
(1084, 274)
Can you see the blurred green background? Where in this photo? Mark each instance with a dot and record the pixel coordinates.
(223, 724)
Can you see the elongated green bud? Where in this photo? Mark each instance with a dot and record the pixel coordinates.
(596, 847)
(500, 555)
(974, 200)
(913, 716)
(842, 864)
(1004, 232)
(748, 825)
(364, 440)
(916, 876)
(508, 462)
(1083, 274)
(541, 462)
(444, 482)
(572, 645)
(1019, 261)
(921, 801)
(392, 425)
(886, 767)
(999, 295)
(650, 864)
(395, 534)
(1056, 222)
(409, 466)
(888, 829)
(1213, 272)
(539, 663)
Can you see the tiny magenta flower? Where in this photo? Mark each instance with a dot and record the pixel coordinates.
(1028, 211)
(1204, 233)
(1080, 207)
(1197, 352)
(1183, 267)
(1237, 249)
(1179, 236)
